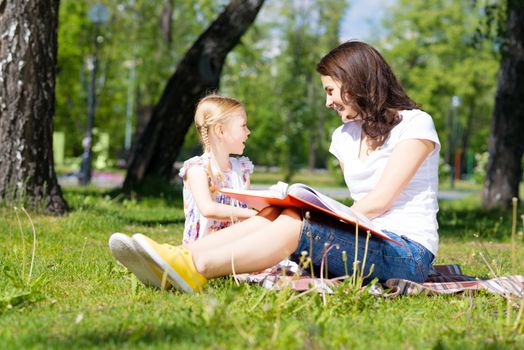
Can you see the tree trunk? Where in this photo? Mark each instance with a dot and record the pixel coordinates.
(28, 52)
(166, 21)
(466, 134)
(507, 127)
(197, 74)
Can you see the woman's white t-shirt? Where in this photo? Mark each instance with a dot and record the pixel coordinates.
(414, 212)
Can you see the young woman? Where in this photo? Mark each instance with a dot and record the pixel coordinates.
(388, 151)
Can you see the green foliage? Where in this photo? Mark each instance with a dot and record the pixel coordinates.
(131, 38)
(16, 292)
(86, 300)
(479, 173)
(71, 79)
(17, 289)
(273, 73)
(438, 49)
(435, 51)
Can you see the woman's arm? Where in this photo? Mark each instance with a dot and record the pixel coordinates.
(198, 185)
(402, 165)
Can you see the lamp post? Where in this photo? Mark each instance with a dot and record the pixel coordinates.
(98, 14)
(452, 135)
(131, 64)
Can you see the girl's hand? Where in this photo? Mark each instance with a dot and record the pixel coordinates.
(197, 181)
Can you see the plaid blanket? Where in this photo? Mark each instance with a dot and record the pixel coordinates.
(443, 279)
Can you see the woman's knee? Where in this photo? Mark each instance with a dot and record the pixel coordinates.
(290, 224)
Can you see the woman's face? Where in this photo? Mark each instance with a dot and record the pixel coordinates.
(334, 99)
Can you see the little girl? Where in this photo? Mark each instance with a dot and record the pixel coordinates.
(221, 123)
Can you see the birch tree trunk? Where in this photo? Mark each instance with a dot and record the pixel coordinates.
(505, 145)
(28, 52)
(197, 74)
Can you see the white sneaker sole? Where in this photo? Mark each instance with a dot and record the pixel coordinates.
(148, 253)
(123, 249)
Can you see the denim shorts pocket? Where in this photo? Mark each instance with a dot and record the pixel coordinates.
(423, 258)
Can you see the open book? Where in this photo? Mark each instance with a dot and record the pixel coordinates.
(302, 196)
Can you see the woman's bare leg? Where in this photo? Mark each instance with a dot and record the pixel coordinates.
(243, 228)
(264, 247)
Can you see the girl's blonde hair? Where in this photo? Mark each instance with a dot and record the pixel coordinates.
(211, 110)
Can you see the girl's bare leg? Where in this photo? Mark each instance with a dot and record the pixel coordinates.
(243, 228)
(264, 247)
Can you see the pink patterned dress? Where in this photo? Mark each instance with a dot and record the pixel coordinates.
(197, 225)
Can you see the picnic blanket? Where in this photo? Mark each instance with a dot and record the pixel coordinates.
(443, 279)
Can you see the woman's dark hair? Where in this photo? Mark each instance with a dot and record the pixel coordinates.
(368, 86)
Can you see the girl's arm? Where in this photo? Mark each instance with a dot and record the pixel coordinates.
(402, 165)
(198, 185)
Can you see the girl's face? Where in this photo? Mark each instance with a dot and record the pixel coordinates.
(334, 99)
(236, 131)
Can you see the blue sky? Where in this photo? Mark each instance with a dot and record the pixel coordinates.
(361, 17)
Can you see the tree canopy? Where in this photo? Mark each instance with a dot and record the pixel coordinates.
(437, 49)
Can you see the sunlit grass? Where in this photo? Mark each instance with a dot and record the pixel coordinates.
(84, 299)
(318, 179)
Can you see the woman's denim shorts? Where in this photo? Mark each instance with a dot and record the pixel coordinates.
(322, 233)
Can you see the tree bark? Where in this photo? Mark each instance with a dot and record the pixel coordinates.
(28, 53)
(166, 21)
(197, 74)
(505, 144)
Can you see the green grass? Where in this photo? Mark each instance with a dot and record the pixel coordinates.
(317, 179)
(78, 297)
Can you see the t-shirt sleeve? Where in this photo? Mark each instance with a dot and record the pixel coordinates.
(420, 126)
(334, 148)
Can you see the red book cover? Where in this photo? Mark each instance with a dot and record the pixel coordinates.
(304, 197)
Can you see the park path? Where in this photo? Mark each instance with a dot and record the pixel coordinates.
(111, 180)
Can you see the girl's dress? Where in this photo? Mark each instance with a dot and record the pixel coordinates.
(197, 225)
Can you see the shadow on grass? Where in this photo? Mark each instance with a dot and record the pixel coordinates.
(139, 216)
(152, 223)
(466, 219)
(458, 219)
(120, 337)
(154, 188)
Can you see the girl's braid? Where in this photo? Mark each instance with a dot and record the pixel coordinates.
(205, 136)
(214, 186)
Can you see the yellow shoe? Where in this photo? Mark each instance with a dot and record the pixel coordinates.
(175, 262)
(124, 251)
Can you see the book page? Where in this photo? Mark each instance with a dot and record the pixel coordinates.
(313, 196)
(280, 187)
(269, 193)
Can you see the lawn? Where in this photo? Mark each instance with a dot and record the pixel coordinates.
(78, 297)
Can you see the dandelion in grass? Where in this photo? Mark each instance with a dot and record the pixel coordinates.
(304, 262)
